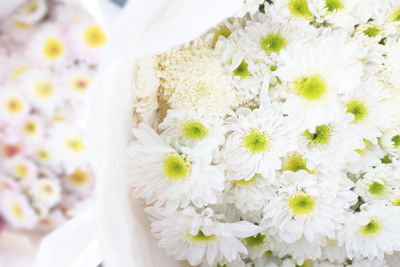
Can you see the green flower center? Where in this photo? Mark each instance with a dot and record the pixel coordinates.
(273, 43)
(367, 147)
(376, 188)
(321, 135)
(371, 31)
(396, 141)
(372, 228)
(307, 263)
(242, 70)
(386, 160)
(302, 204)
(396, 202)
(201, 237)
(255, 240)
(299, 8)
(176, 167)
(310, 87)
(395, 15)
(221, 265)
(244, 183)
(295, 163)
(358, 109)
(333, 5)
(194, 130)
(222, 31)
(256, 142)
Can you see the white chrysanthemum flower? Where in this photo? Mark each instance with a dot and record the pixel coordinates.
(371, 155)
(249, 6)
(258, 245)
(258, 139)
(372, 232)
(308, 207)
(31, 12)
(341, 13)
(248, 74)
(48, 46)
(333, 144)
(15, 209)
(42, 89)
(368, 263)
(192, 78)
(13, 105)
(249, 194)
(147, 84)
(45, 154)
(87, 41)
(21, 169)
(264, 39)
(292, 10)
(316, 72)
(395, 199)
(45, 192)
(378, 183)
(387, 14)
(197, 238)
(192, 127)
(390, 141)
(175, 176)
(370, 108)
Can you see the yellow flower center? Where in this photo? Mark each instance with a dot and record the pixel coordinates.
(302, 204)
(78, 177)
(201, 237)
(255, 141)
(80, 84)
(75, 144)
(94, 36)
(44, 89)
(311, 87)
(17, 211)
(18, 71)
(176, 167)
(370, 229)
(53, 48)
(30, 127)
(46, 190)
(43, 155)
(21, 171)
(14, 105)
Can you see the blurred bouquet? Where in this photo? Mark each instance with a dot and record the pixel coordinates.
(274, 139)
(49, 52)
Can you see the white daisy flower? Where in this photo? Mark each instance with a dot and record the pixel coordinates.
(395, 199)
(249, 195)
(372, 232)
(248, 74)
(21, 169)
(80, 181)
(69, 144)
(175, 176)
(316, 72)
(42, 89)
(258, 245)
(293, 10)
(308, 207)
(370, 108)
(13, 105)
(371, 155)
(257, 141)
(390, 141)
(378, 183)
(45, 192)
(32, 128)
(333, 144)
(48, 47)
(77, 82)
(192, 127)
(187, 235)
(31, 12)
(87, 40)
(45, 154)
(15, 209)
(387, 14)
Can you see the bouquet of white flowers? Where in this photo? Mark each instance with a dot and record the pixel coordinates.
(272, 139)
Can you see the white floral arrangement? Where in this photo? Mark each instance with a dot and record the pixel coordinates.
(49, 53)
(274, 139)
